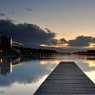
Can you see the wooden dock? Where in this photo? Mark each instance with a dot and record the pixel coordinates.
(67, 79)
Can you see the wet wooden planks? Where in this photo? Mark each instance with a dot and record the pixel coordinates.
(67, 79)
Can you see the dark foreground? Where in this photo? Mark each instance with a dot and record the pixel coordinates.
(67, 79)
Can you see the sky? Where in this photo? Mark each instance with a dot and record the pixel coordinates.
(67, 18)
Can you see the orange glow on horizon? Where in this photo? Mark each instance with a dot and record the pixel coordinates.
(44, 62)
(91, 64)
(92, 45)
(56, 46)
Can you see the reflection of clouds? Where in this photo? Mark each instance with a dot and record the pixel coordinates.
(86, 65)
(43, 62)
(49, 62)
(26, 73)
(92, 64)
(91, 75)
(34, 70)
(22, 89)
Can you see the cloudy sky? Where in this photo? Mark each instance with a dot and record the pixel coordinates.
(67, 18)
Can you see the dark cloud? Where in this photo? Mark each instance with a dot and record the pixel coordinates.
(28, 9)
(28, 34)
(82, 41)
(2, 14)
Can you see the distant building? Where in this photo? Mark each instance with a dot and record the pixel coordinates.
(7, 42)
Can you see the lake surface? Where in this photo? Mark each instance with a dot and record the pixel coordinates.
(25, 77)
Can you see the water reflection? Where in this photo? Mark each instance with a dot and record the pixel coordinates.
(26, 72)
(6, 65)
(5, 68)
(88, 67)
(92, 64)
(43, 62)
(24, 77)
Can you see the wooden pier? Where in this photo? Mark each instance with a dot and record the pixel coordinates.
(67, 79)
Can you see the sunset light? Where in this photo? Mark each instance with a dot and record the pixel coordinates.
(47, 47)
(66, 45)
(92, 45)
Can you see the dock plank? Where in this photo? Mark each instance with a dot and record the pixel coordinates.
(67, 79)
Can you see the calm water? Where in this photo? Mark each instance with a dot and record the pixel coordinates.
(25, 78)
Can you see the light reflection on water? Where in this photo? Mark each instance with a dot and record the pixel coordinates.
(26, 77)
(88, 66)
